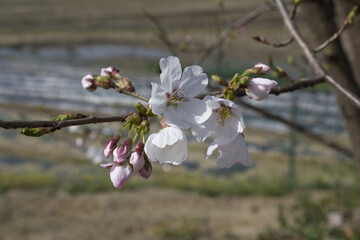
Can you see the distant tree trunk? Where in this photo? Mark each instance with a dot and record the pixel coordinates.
(323, 18)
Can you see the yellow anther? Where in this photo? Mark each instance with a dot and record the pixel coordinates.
(223, 113)
(178, 96)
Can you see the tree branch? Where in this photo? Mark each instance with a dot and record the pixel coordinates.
(318, 138)
(56, 125)
(276, 45)
(132, 94)
(162, 33)
(297, 85)
(319, 70)
(225, 33)
(333, 37)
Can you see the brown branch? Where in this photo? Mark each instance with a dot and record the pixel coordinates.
(318, 138)
(333, 37)
(56, 125)
(319, 70)
(297, 85)
(163, 36)
(225, 33)
(132, 94)
(276, 45)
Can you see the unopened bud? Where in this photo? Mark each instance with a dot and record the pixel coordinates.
(229, 93)
(88, 83)
(111, 145)
(261, 68)
(145, 126)
(140, 108)
(103, 81)
(352, 15)
(69, 117)
(235, 81)
(125, 84)
(109, 71)
(218, 80)
(122, 152)
(134, 119)
(297, 2)
(281, 72)
(146, 171)
(35, 132)
(290, 60)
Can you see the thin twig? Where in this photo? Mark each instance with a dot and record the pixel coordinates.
(297, 85)
(56, 125)
(333, 37)
(163, 36)
(225, 33)
(276, 45)
(319, 70)
(318, 138)
(132, 94)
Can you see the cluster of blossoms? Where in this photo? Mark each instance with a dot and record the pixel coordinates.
(174, 102)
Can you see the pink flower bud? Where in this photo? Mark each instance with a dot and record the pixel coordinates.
(88, 83)
(119, 174)
(122, 152)
(137, 161)
(259, 88)
(146, 171)
(111, 145)
(263, 68)
(109, 71)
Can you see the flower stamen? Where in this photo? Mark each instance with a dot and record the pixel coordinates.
(177, 97)
(223, 113)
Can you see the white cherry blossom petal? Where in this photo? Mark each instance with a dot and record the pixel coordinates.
(195, 111)
(231, 153)
(205, 130)
(168, 136)
(174, 117)
(170, 73)
(193, 81)
(158, 100)
(173, 153)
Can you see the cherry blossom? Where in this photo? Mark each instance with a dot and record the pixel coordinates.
(226, 121)
(122, 152)
(259, 88)
(174, 98)
(231, 153)
(169, 145)
(263, 68)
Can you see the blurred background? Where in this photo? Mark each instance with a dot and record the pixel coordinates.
(53, 188)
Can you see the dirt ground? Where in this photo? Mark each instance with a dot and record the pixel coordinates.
(140, 214)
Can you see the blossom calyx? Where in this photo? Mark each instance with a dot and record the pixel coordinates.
(140, 108)
(103, 81)
(134, 118)
(229, 93)
(125, 84)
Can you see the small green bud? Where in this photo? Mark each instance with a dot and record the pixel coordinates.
(245, 80)
(218, 80)
(34, 132)
(281, 72)
(125, 84)
(140, 108)
(103, 81)
(290, 60)
(229, 93)
(352, 15)
(297, 2)
(134, 119)
(235, 81)
(68, 117)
